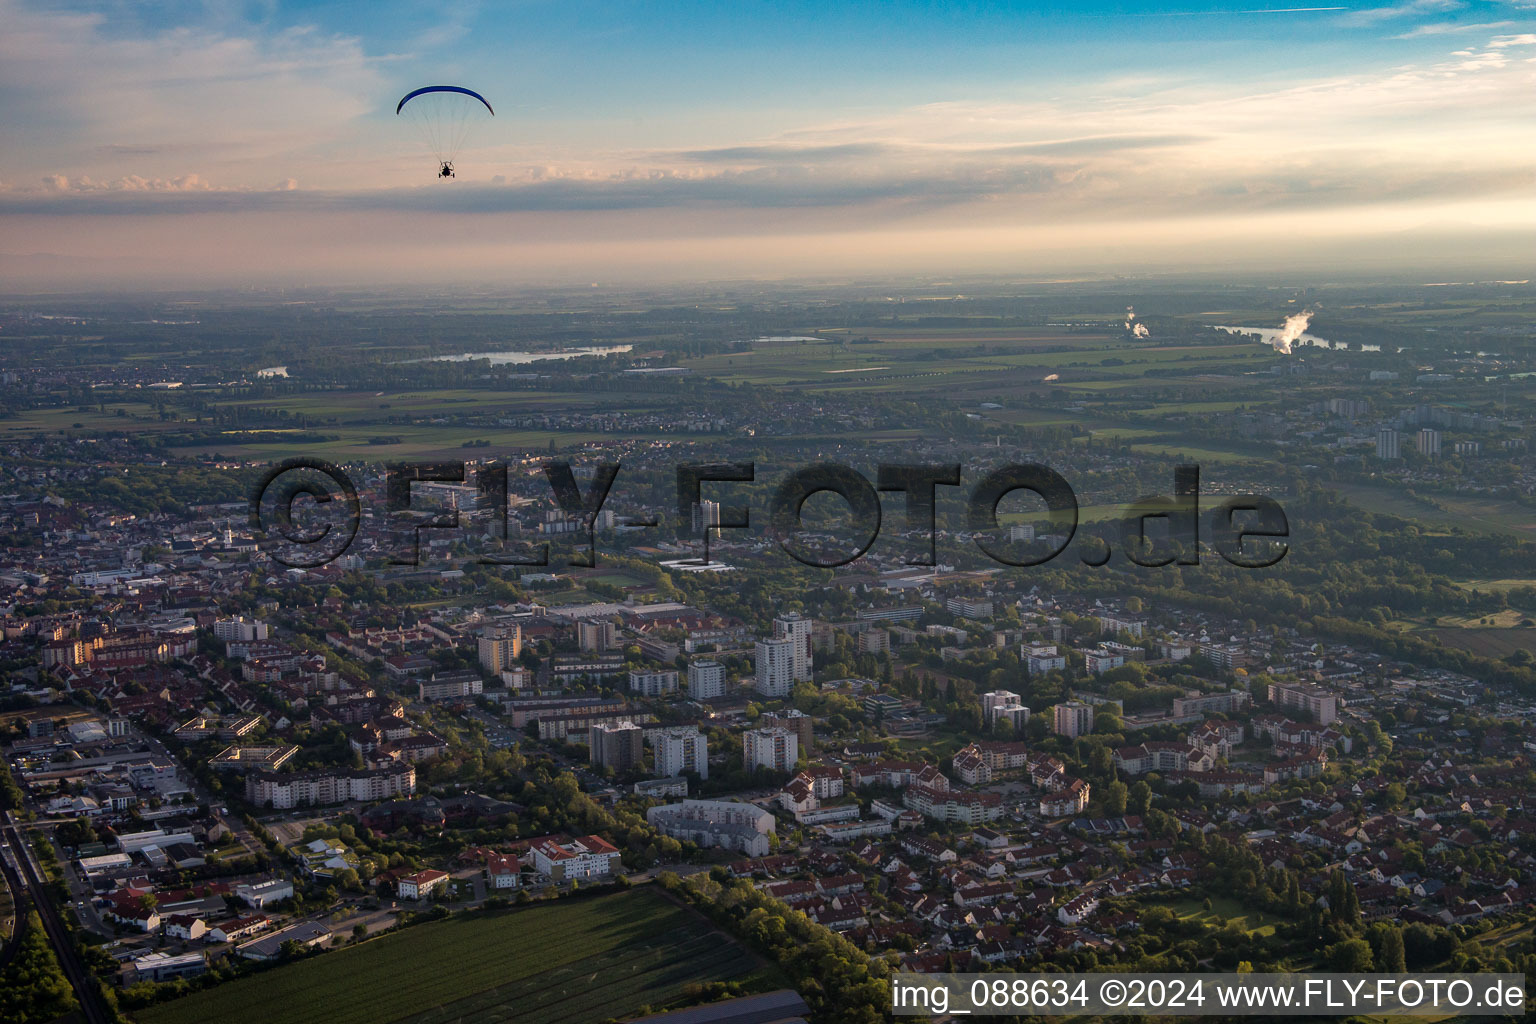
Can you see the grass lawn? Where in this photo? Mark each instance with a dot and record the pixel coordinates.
(1254, 922)
(569, 962)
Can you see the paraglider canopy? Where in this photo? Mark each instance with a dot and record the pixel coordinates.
(446, 116)
(442, 88)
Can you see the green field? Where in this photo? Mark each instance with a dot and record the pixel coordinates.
(1489, 643)
(1254, 922)
(569, 962)
(1485, 515)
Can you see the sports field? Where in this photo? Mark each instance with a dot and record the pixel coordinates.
(569, 962)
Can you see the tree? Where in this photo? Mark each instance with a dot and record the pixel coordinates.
(1352, 956)
(1139, 797)
(1115, 798)
(1387, 948)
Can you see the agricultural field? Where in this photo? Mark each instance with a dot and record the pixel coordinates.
(570, 962)
(906, 360)
(1492, 642)
(1485, 515)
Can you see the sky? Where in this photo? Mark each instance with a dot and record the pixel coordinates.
(152, 144)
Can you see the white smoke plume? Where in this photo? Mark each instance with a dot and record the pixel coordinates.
(1137, 330)
(1292, 329)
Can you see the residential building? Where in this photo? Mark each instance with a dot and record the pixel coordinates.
(963, 807)
(995, 699)
(774, 749)
(1115, 624)
(451, 685)
(728, 824)
(1314, 700)
(969, 607)
(286, 790)
(681, 749)
(1072, 719)
(500, 647)
(1228, 703)
(616, 745)
(1100, 660)
(775, 666)
(874, 641)
(652, 683)
(1388, 445)
(240, 630)
(1041, 658)
(503, 871)
(706, 680)
(597, 635)
(796, 628)
(1072, 798)
(796, 721)
(587, 857)
(421, 884)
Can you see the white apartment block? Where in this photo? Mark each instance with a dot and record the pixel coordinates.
(285, 790)
(451, 686)
(658, 683)
(798, 628)
(969, 607)
(1210, 703)
(1038, 659)
(775, 666)
(1073, 718)
(774, 749)
(587, 857)
(240, 630)
(1099, 661)
(1114, 624)
(681, 749)
(706, 680)
(1315, 701)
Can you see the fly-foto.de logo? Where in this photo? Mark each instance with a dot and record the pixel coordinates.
(1248, 531)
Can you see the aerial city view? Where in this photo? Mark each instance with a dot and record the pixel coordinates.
(740, 515)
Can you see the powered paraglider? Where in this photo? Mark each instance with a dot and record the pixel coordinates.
(446, 116)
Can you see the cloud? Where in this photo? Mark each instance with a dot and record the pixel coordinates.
(785, 153)
(1445, 28)
(96, 95)
(1504, 42)
(1375, 15)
